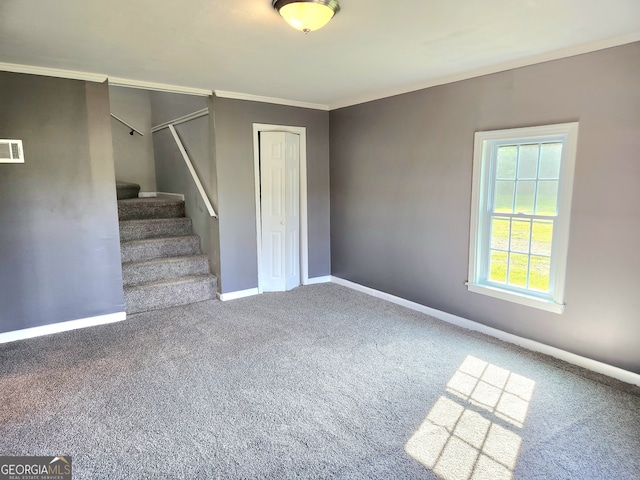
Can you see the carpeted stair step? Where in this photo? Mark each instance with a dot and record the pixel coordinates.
(162, 265)
(136, 273)
(127, 190)
(155, 227)
(143, 208)
(150, 248)
(164, 294)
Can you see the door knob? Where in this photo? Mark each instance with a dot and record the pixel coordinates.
(281, 222)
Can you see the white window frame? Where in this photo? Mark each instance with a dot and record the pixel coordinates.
(479, 244)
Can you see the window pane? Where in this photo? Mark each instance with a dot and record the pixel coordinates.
(504, 196)
(507, 157)
(542, 237)
(520, 232)
(547, 201)
(500, 233)
(498, 267)
(528, 163)
(550, 156)
(518, 269)
(539, 273)
(525, 196)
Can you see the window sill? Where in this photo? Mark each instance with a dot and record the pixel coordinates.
(527, 300)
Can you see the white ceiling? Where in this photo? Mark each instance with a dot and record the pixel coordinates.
(371, 49)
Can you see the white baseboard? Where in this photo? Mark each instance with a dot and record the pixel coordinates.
(239, 294)
(61, 327)
(593, 365)
(179, 196)
(254, 291)
(317, 280)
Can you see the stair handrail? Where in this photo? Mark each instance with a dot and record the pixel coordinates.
(192, 170)
(133, 129)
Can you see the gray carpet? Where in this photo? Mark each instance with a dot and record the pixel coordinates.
(320, 382)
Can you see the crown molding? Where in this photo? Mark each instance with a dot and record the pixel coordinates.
(162, 87)
(159, 87)
(277, 101)
(100, 78)
(501, 67)
(53, 72)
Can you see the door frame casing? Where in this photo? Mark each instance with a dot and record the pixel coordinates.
(304, 233)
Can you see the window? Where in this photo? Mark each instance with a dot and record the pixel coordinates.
(522, 182)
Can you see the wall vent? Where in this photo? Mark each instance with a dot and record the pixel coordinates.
(11, 151)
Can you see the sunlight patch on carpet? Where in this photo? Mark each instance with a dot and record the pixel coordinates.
(468, 434)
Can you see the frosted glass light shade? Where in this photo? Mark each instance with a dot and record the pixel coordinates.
(307, 16)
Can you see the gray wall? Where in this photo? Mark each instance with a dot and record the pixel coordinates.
(234, 121)
(59, 240)
(172, 175)
(401, 194)
(133, 154)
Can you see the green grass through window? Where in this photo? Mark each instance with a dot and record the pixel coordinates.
(523, 237)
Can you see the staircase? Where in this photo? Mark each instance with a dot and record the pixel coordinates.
(162, 265)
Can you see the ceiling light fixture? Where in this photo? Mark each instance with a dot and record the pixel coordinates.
(307, 15)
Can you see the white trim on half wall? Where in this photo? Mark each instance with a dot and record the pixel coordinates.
(175, 196)
(61, 327)
(593, 365)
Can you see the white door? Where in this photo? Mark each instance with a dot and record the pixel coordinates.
(280, 210)
(292, 211)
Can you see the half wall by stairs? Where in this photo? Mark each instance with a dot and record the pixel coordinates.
(162, 265)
